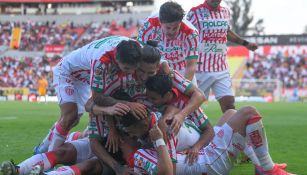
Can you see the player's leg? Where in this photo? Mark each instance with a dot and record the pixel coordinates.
(222, 90)
(227, 102)
(204, 82)
(65, 154)
(90, 166)
(225, 117)
(76, 96)
(69, 116)
(248, 123)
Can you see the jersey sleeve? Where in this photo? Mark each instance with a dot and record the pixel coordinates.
(98, 71)
(191, 16)
(171, 144)
(191, 46)
(181, 83)
(199, 118)
(145, 32)
(94, 127)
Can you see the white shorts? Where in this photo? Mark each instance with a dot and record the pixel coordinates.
(83, 147)
(70, 90)
(216, 158)
(219, 82)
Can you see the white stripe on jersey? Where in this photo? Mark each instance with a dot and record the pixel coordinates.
(175, 51)
(213, 27)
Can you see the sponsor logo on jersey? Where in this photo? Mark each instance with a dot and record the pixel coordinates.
(215, 24)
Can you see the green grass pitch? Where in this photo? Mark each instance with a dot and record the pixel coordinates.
(23, 125)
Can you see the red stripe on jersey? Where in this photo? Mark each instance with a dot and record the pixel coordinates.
(147, 158)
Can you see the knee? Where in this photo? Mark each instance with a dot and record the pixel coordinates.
(65, 154)
(248, 111)
(230, 112)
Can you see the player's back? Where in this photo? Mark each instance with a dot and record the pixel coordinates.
(81, 58)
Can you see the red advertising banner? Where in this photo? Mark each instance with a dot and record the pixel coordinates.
(54, 48)
(288, 50)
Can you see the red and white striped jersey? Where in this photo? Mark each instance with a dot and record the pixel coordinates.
(213, 26)
(77, 64)
(176, 51)
(198, 117)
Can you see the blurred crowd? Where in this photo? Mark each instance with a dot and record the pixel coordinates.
(290, 70)
(25, 72)
(35, 35)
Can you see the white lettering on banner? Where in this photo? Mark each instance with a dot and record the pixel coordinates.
(285, 50)
(264, 40)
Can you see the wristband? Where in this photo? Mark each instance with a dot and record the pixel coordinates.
(245, 43)
(159, 142)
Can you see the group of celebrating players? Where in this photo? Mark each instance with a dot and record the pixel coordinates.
(144, 100)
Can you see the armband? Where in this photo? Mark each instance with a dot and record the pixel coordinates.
(159, 142)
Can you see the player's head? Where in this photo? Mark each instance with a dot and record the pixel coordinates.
(170, 16)
(128, 55)
(214, 3)
(136, 128)
(159, 89)
(150, 63)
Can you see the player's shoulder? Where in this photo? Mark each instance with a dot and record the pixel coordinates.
(197, 7)
(187, 27)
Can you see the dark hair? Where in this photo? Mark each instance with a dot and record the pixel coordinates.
(170, 12)
(160, 83)
(128, 119)
(129, 52)
(150, 53)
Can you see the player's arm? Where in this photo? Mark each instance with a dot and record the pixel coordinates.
(197, 97)
(190, 69)
(235, 38)
(165, 165)
(205, 138)
(191, 52)
(107, 106)
(98, 148)
(144, 32)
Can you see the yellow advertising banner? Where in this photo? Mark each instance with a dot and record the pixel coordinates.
(13, 91)
(16, 36)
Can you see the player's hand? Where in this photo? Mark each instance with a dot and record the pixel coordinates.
(112, 141)
(192, 154)
(119, 109)
(252, 46)
(155, 133)
(176, 123)
(123, 170)
(138, 110)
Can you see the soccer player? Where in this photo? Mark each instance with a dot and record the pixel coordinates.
(213, 23)
(159, 91)
(243, 126)
(72, 80)
(177, 38)
(42, 88)
(134, 85)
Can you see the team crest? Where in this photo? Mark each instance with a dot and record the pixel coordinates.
(69, 90)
